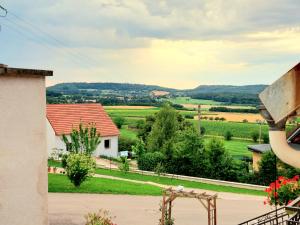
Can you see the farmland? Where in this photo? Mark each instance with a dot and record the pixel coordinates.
(188, 100)
(242, 131)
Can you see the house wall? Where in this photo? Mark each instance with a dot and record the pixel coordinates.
(23, 154)
(55, 142)
(256, 157)
(112, 151)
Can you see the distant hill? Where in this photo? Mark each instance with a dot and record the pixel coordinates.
(125, 93)
(247, 89)
(71, 88)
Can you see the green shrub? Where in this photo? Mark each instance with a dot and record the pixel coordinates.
(79, 167)
(266, 139)
(125, 144)
(64, 160)
(124, 165)
(150, 160)
(189, 116)
(119, 121)
(255, 136)
(228, 135)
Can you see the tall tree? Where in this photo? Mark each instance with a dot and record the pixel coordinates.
(221, 162)
(164, 128)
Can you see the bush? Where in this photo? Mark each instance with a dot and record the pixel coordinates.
(125, 144)
(79, 167)
(266, 139)
(228, 135)
(283, 191)
(100, 218)
(150, 160)
(202, 130)
(159, 169)
(124, 165)
(255, 136)
(189, 116)
(119, 121)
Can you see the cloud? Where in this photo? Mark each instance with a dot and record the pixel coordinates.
(167, 42)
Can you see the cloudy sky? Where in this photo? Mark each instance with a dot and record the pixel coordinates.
(173, 43)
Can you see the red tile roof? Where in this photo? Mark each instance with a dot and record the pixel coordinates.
(64, 117)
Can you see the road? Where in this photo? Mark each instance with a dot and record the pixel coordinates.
(69, 209)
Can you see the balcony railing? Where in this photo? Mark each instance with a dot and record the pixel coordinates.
(289, 215)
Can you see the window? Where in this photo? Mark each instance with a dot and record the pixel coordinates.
(107, 143)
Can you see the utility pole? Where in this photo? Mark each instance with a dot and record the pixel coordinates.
(199, 118)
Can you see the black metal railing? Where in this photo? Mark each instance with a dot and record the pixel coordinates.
(289, 215)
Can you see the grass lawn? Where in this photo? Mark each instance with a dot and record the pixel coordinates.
(176, 182)
(60, 183)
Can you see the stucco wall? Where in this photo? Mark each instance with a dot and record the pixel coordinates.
(112, 151)
(23, 155)
(256, 158)
(55, 142)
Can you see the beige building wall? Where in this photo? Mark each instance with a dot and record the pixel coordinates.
(23, 154)
(256, 158)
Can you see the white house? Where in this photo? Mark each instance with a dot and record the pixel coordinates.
(63, 118)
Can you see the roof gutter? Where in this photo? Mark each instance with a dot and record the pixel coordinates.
(281, 101)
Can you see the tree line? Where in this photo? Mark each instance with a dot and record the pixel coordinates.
(169, 143)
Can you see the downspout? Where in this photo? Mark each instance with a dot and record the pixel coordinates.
(286, 152)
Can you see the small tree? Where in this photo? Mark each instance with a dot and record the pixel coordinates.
(79, 167)
(255, 136)
(228, 135)
(159, 169)
(84, 140)
(139, 148)
(119, 121)
(124, 165)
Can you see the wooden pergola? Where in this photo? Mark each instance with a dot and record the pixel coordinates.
(208, 201)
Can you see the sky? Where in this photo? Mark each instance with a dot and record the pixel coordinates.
(173, 43)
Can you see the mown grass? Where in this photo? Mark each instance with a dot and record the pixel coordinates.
(176, 182)
(61, 184)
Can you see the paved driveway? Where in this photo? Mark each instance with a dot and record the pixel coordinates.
(69, 209)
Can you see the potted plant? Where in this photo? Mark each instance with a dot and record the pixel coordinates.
(283, 191)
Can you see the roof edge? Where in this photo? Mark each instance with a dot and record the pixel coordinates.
(5, 70)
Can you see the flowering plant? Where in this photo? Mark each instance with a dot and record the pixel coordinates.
(100, 218)
(283, 191)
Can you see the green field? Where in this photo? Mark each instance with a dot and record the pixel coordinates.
(237, 148)
(61, 183)
(128, 133)
(218, 128)
(177, 182)
(137, 113)
(188, 100)
(240, 130)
